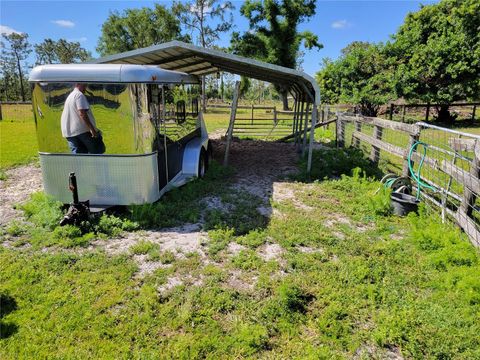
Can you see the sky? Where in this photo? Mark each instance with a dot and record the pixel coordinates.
(337, 23)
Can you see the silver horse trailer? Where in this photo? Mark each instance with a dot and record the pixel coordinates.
(153, 131)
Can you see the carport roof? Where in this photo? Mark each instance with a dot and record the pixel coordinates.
(191, 59)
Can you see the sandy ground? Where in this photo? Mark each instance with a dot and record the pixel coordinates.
(261, 168)
(20, 183)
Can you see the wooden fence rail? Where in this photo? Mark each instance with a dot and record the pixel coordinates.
(466, 214)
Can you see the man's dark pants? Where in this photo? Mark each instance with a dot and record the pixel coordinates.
(86, 144)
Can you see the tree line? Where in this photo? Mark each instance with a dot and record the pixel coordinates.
(272, 36)
(434, 57)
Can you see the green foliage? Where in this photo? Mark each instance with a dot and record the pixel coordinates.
(438, 51)
(13, 56)
(112, 226)
(350, 282)
(18, 143)
(62, 51)
(208, 18)
(16, 228)
(336, 162)
(43, 210)
(184, 203)
(219, 240)
(253, 239)
(380, 202)
(363, 75)
(143, 247)
(241, 216)
(273, 35)
(247, 260)
(138, 28)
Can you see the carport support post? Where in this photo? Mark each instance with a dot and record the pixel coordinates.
(295, 112)
(233, 114)
(305, 129)
(299, 125)
(312, 135)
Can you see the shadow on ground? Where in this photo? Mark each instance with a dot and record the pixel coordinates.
(7, 305)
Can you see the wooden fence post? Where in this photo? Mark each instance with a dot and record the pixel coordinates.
(428, 112)
(391, 111)
(375, 153)
(469, 196)
(275, 115)
(340, 131)
(473, 112)
(413, 139)
(358, 127)
(252, 114)
(403, 114)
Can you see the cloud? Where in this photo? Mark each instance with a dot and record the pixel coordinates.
(7, 30)
(341, 24)
(64, 23)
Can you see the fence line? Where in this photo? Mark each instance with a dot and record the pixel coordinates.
(451, 164)
(392, 110)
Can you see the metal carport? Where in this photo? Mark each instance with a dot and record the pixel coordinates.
(191, 59)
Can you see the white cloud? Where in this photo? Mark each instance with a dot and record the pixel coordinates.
(341, 24)
(7, 30)
(64, 23)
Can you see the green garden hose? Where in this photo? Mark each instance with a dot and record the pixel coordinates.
(416, 176)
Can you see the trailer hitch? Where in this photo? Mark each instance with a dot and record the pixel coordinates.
(78, 211)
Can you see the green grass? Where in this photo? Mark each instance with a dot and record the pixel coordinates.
(18, 143)
(369, 283)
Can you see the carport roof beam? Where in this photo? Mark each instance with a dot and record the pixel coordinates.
(177, 53)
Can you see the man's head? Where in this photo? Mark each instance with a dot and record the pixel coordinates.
(81, 86)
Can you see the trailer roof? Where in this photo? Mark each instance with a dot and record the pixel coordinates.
(177, 55)
(109, 73)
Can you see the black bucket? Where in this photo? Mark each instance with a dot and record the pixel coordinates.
(403, 203)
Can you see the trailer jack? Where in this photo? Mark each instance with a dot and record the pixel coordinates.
(78, 211)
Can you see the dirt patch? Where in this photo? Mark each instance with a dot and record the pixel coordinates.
(21, 182)
(177, 280)
(283, 191)
(259, 164)
(237, 280)
(180, 240)
(147, 267)
(234, 249)
(270, 252)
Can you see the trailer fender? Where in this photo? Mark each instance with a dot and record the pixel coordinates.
(191, 155)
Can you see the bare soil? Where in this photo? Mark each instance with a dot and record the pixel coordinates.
(261, 168)
(20, 183)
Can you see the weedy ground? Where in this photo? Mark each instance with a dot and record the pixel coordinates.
(317, 269)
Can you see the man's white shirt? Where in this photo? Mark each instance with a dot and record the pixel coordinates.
(72, 123)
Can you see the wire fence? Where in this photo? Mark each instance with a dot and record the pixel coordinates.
(442, 165)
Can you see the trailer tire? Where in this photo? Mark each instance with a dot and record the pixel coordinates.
(202, 164)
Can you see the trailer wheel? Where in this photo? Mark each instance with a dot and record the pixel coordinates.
(202, 164)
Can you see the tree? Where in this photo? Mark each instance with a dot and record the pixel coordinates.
(16, 52)
(329, 81)
(138, 28)
(363, 75)
(273, 35)
(61, 51)
(198, 17)
(438, 51)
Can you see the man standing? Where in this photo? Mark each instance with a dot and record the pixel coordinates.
(78, 124)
